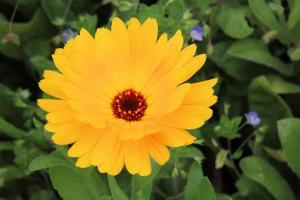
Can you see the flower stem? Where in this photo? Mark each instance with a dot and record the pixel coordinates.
(10, 23)
(66, 12)
(245, 141)
(230, 158)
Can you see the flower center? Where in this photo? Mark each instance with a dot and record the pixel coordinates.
(129, 105)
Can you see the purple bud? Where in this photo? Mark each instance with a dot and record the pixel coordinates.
(253, 118)
(67, 34)
(197, 33)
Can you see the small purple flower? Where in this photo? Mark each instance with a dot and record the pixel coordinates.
(197, 33)
(253, 118)
(67, 34)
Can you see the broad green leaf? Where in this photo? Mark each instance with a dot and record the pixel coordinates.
(289, 135)
(188, 152)
(262, 99)
(46, 161)
(194, 177)
(294, 16)
(238, 69)
(74, 184)
(231, 20)
(206, 190)
(251, 190)
(254, 50)
(142, 185)
(260, 171)
(280, 86)
(275, 153)
(37, 47)
(264, 14)
(115, 190)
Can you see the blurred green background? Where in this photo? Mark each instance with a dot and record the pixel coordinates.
(253, 48)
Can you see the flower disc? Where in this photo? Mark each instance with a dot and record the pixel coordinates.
(121, 97)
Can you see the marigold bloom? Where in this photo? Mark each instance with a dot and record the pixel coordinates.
(121, 97)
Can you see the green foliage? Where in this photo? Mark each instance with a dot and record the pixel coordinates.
(260, 171)
(229, 17)
(253, 47)
(290, 138)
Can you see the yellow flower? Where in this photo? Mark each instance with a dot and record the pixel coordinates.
(121, 96)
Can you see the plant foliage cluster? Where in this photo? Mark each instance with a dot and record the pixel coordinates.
(253, 48)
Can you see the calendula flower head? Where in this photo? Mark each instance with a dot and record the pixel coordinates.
(121, 97)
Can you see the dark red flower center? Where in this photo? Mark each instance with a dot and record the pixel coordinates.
(129, 105)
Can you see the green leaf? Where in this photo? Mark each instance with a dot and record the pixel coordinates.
(294, 53)
(275, 153)
(115, 190)
(228, 128)
(221, 158)
(10, 130)
(89, 22)
(294, 16)
(254, 50)
(262, 99)
(37, 27)
(224, 197)
(239, 69)
(193, 181)
(74, 184)
(260, 171)
(188, 152)
(252, 190)
(231, 19)
(264, 14)
(280, 86)
(41, 63)
(198, 187)
(175, 9)
(37, 47)
(46, 161)
(142, 185)
(290, 140)
(206, 190)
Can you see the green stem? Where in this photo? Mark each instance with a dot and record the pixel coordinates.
(245, 141)
(10, 23)
(66, 12)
